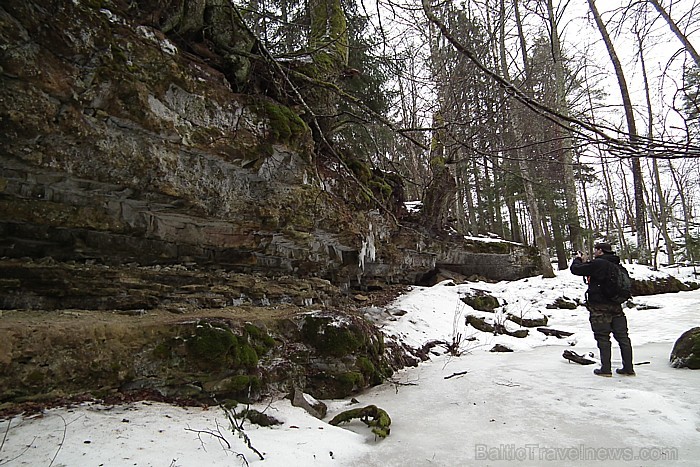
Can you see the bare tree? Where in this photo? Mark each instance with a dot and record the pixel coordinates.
(565, 142)
(658, 216)
(676, 30)
(638, 181)
(533, 207)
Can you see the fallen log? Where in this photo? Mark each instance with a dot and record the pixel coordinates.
(572, 356)
(555, 332)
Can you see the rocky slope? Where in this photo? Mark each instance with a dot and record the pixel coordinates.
(165, 223)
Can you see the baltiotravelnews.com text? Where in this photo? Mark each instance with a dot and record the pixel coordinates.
(536, 452)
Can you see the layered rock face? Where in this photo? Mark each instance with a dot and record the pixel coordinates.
(119, 146)
(123, 152)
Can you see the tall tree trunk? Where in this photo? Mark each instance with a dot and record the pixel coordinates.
(463, 189)
(218, 24)
(638, 181)
(328, 45)
(565, 141)
(535, 217)
(612, 217)
(591, 222)
(497, 199)
(511, 203)
(439, 194)
(471, 209)
(687, 213)
(536, 220)
(509, 195)
(557, 233)
(661, 220)
(329, 33)
(480, 202)
(676, 30)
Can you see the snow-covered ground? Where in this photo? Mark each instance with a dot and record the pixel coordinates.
(528, 407)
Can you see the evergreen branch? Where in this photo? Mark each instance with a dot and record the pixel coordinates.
(314, 119)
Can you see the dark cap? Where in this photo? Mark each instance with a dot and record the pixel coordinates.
(604, 247)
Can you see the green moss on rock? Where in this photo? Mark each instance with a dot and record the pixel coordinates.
(285, 125)
(369, 370)
(528, 322)
(361, 169)
(239, 383)
(330, 337)
(216, 348)
(479, 323)
(211, 343)
(351, 381)
(481, 302)
(659, 285)
(259, 339)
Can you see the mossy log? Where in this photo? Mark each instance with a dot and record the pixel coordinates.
(370, 415)
(528, 322)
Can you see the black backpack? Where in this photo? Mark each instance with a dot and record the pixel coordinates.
(617, 286)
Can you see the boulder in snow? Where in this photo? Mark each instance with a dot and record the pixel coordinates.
(686, 351)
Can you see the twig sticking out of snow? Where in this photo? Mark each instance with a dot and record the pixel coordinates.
(459, 373)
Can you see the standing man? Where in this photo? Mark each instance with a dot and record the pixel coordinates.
(605, 315)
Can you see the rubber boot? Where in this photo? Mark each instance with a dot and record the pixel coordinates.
(605, 356)
(619, 330)
(627, 365)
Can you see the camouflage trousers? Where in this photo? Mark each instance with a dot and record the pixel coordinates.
(606, 319)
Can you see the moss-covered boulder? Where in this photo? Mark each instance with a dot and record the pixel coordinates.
(661, 285)
(232, 353)
(686, 350)
(496, 328)
(481, 301)
(224, 357)
(347, 354)
(528, 322)
(563, 303)
(479, 323)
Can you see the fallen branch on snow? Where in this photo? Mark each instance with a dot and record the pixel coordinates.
(460, 373)
(572, 356)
